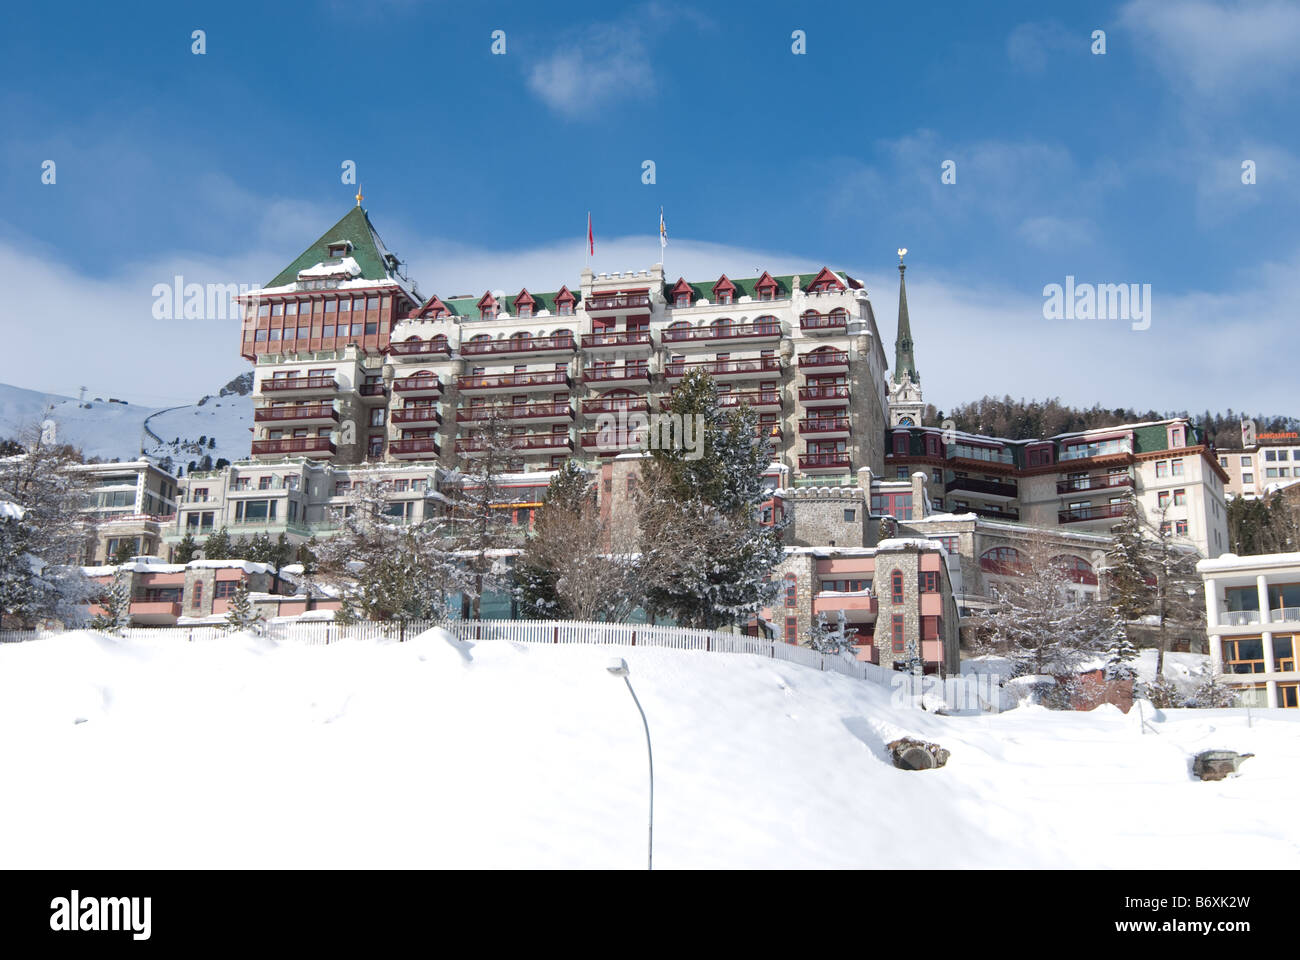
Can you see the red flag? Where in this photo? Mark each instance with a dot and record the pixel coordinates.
(591, 237)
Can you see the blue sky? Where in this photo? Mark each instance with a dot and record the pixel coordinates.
(480, 169)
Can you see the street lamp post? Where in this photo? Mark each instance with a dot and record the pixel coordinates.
(618, 667)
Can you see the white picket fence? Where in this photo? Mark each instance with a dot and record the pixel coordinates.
(533, 632)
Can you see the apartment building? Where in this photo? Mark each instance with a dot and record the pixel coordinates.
(1270, 463)
(353, 366)
(1076, 480)
(1252, 613)
(132, 506)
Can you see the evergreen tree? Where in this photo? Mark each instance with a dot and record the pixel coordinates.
(240, 614)
(124, 552)
(186, 549)
(828, 639)
(1212, 692)
(115, 604)
(218, 546)
(706, 560)
(476, 493)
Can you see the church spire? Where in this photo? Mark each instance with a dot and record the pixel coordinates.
(904, 361)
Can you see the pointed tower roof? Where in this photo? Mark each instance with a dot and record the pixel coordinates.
(904, 360)
(373, 261)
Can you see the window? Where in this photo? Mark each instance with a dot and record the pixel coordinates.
(1162, 499)
(377, 417)
(1180, 527)
(949, 543)
(1270, 472)
(896, 586)
(1164, 529)
(850, 516)
(196, 597)
(1247, 478)
(1162, 468)
(897, 625)
(225, 588)
(791, 630)
(1180, 498)
(1244, 656)
(929, 581)
(1245, 461)
(791, 589)
(1176, 467)
(1223, 462)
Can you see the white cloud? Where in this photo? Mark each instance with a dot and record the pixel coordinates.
(1220, 51)
(601, 65)
(1030, 46)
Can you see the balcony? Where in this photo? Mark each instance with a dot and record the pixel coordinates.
(726, 369)
(309, 446)
(490, 383)
(1284, 614)
(1103, 511)
(615, 405)
(824, 427)
(436, 349)
(297, 413)
(856, 606)
(1101, 448)
(414, 448)
(610, 442)
(155, 611)
(604, 302)
(825, 361)
(824, 462)
(372, 391)
(299, 385)
(418, 387)
(518, 345)
(824, 396)
(540, 412)
(992, 488)
(531, 443)
(638, 340)
(837, 321)
(1094, 483)
(754, 399)
(428, 414)
(727, 333)
(1239, 618)
(634, 374)
(989, 513)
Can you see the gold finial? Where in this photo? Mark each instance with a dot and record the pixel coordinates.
(358, 195)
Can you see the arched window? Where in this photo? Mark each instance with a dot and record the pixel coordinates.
(439, 343)
(839, 316)
(562, 336)
(1076, 568)
(767, 324)
(810, 317)
(479, 338)
(906, 422)
(519, 335)
(722, 326)
(681, 330)
(1002, 560)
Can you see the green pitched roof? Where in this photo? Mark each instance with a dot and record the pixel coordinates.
(356, 229)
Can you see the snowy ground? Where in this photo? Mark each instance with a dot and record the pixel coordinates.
(241, 753)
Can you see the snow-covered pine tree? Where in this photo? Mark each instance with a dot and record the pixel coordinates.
(1212, 692)
(218, 546)
(706, 559)
(386, 569)
(124, 552)
(827, 639)
(240, 615)
(115, 602)
(186, 549)
(1040, 625)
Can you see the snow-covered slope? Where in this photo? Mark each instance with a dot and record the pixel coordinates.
(242, 753)
(121, 430)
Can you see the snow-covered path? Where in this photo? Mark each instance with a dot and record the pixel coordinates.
(241, 753)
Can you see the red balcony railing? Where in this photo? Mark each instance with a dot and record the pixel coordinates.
(517, 411)
(611, 441)
(482, 381)
(722, 368)
(839, 392)
(606, 374)
(300, 412)
(299, 383)
(823, 461)
(831, 321)
(1094, 483)
(616, 301)
(616, 405)
(413, 446)
(538, 441)
(475, 348)
(293, 445)
(420, 348)
(827, 358)
(1100, 512)
(372, 389)
(622, 338)
(738, 331)
(416, 415)
(824, 425)
(418, 385)
(994, 488)
(755, 398)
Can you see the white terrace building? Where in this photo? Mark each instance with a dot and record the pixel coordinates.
(1252, 613)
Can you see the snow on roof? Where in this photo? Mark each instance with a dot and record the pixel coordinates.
(1230, 562)
(908, 543)
(328, 268)
(247, 566)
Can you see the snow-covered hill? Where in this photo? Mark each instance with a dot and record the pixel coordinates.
(242, 753)
(120, 431)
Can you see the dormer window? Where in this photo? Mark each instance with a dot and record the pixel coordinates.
(765, 287)
(724, 292)
(564, 301)
(724, 298)
(339, 249)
